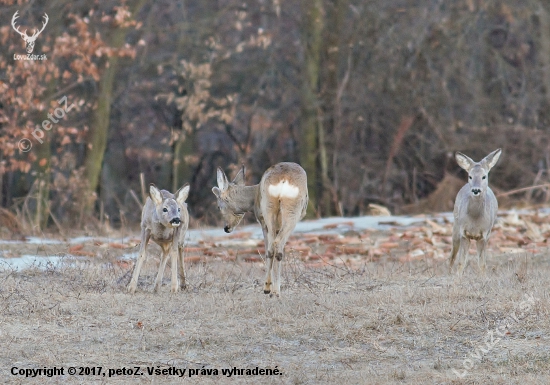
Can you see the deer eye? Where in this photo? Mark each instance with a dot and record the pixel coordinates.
(483, 177)
(165, 210)
(470, 177)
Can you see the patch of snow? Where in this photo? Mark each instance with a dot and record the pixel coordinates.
(27, 261)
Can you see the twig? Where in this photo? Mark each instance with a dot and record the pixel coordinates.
(537, 179)
(57, 223)
(406, 123)
(523, 189)
(464, 316)
(143, 191)
(134, 195)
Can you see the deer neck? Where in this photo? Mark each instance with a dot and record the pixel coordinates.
(245, 197)
(476, 205)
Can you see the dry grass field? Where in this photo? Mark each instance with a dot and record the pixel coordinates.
(383, 320)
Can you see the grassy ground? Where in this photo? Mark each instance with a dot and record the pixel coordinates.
(381, 322)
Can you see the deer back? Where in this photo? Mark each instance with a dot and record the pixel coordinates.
(286, 183)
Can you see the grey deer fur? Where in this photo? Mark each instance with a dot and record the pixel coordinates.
(475, 210)
(279, 201)
(164, 219)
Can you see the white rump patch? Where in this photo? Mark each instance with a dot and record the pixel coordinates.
(283, 189)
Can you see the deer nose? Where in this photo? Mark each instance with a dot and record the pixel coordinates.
(226, 229)
(476, 191)
(175, 221)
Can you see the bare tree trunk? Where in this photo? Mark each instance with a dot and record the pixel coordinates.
(182, 168)
(43, 151)
(545, 46)
(99, 129)
(311, 148)
(332, 95)
(42, 169)
(43, 177)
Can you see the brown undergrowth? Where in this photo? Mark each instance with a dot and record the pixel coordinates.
(374, 321)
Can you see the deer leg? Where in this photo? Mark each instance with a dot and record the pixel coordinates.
(181, 268)
(174, 286)
(268, 268)
(162, 266)
(279, 248)
(454, 251)
(145, 236)
(481, 256)
(463, 254)
(268, 237)
(277, 264)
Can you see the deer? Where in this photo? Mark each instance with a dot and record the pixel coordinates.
(29, 40)
(164, 219)
(475, 210)
(278, 202)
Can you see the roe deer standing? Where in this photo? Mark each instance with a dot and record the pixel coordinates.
(279, 201)
(475, 209)
(165, 219)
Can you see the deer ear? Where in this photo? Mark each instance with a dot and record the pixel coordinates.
(223, 183)
(182, 194)
(490, 160)
(155, 194)
(239, 178)
(216, 192)
(463, 161)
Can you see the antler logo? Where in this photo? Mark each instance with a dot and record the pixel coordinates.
(29, 39)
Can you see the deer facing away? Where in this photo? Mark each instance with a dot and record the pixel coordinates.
(165, 219)
(279, 201)
(475, 210)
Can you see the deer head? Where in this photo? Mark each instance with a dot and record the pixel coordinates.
(478, 172)
(229, 195)
(168, 210)
(29, 39)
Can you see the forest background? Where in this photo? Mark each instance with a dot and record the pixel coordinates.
(372, 98)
